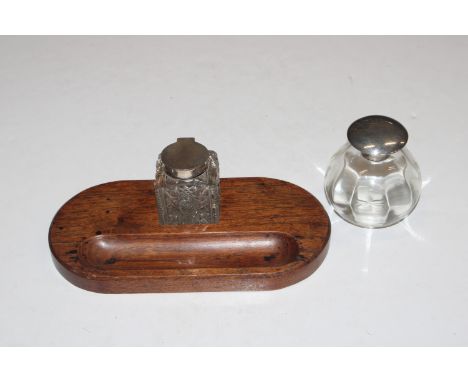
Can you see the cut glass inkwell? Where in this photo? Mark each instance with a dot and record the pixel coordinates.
(187, 184)
(373, 180)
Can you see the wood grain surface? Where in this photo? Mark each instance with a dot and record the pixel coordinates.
(108, 239)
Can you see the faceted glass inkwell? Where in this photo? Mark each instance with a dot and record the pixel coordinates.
(373, 181)
(187, 184)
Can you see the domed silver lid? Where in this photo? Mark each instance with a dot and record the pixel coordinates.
(377, 136)
(185, 158)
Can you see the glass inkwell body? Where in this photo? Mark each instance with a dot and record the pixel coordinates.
(373, 180)
(187, 184)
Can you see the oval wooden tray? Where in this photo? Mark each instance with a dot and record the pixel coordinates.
(271, 234)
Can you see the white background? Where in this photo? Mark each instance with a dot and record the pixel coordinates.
(75, 112)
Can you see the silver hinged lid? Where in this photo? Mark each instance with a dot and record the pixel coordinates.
(185, 158)
(377, 136)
